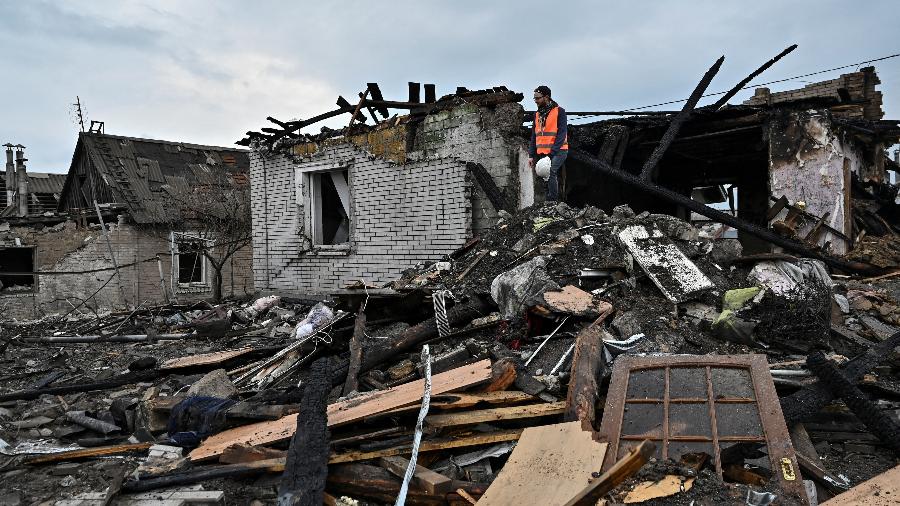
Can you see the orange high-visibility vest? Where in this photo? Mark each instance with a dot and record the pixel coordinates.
(545, 132)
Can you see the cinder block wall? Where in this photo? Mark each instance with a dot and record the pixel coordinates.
(403, 213)
(66, 248)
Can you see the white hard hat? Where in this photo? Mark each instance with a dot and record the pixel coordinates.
(542, 168)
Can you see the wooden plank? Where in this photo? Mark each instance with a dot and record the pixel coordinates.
(87, 452)
(468, 400)
(424, 478)
(549, 465)
(429, 446)
(465, 400)
(503, 375)
(373, 485)
(243, 454)
(495, 414)
(347, 411)
(203, 359)
(882, 490)
(618, 473)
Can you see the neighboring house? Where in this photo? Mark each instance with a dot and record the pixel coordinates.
(152, 196)
(336, 209)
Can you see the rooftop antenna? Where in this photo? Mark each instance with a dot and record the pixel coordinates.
(79, 112)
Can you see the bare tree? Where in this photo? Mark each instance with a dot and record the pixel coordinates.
(215, 219)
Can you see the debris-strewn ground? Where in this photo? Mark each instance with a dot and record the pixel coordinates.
(134, 389)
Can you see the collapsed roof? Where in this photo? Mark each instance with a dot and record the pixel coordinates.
(140, 173)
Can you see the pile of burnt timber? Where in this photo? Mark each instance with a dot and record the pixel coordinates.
(372, 102)
(628, 355)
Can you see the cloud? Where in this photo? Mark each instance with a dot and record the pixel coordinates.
(208, 71)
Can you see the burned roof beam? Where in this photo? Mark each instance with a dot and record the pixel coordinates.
(679, 119)
(714, 214)
(282, 124)
(376, 95)
(739, 86)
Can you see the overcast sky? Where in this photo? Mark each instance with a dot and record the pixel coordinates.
(207, 71)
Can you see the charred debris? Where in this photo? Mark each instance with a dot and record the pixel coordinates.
(634, 345)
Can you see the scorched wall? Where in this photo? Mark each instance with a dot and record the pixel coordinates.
(412, 199)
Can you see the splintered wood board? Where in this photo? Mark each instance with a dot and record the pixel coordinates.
(465, 400)
(495, 415)
(347, 411)
(549, 465)
(677, 277)
(204, 359)
(479, 439)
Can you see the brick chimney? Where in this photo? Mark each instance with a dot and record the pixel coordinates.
(21, 181)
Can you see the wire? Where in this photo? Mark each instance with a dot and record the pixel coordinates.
(768, 83)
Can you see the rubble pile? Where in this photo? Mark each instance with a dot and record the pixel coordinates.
(564, 357)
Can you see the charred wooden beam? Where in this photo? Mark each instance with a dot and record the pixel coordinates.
(876, 420)
(813, 398)
(587, 370)
(359, 330)
(374, 483)
(713, 214)
(413, 337)
(375, 91)
(489, 186)
(303, 481)
(356, 111)
(282, 124)
(679, 119)
(205, 473)
(739, 86)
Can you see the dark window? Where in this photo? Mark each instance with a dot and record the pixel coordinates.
(188, 259)
(190, 267)
(16, 260)
(330, 207)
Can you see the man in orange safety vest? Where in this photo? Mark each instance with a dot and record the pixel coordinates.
(549, 137)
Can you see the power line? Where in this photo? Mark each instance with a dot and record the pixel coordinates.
(770, 82)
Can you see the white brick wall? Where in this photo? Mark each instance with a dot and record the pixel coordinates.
(402, 214)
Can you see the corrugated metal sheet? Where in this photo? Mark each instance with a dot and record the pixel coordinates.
(142, 172)
(44, 189)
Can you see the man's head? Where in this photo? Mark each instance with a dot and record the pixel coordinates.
(542, 96)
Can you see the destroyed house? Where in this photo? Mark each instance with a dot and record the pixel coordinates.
(133, 221)
(366, 202)
(787, 161)
(365, 205)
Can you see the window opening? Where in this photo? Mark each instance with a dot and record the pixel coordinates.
(189, 264)
(329, 203)
(17, 260)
